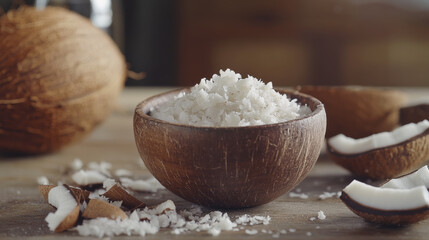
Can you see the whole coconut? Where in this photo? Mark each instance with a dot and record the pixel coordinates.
(59, 78)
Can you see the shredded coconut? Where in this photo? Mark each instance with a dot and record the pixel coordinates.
(83, 177)
(251, 231)
(42, 180)
(123, 173)
(76, 164)
(327, 195)
(298, 195)
(151, 220)
(228, 100)
(102, 167)
(321, 215)
(149, 185)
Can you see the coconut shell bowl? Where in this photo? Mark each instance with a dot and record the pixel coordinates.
(230, 167)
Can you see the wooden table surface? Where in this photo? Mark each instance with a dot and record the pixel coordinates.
(23, 210)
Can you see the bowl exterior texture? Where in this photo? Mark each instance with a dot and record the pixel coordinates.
(229, 167)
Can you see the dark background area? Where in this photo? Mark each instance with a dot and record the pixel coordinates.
(329, 42)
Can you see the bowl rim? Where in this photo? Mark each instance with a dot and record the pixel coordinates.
(139, 111)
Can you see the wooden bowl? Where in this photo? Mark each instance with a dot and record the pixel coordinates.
(230, 167)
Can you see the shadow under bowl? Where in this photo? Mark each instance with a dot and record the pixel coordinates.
(230, 167)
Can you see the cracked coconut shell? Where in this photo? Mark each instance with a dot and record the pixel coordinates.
(59, 78)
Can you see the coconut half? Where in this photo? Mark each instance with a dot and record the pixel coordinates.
(385, 205)
(383, 155)
(415, 179)
(67, 207)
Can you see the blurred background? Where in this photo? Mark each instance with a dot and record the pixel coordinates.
(295, 42)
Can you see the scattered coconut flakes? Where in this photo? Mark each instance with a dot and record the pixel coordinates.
(214, 232)
(42, 180)
(149, 185)
(88, 177)
(292, 230)
(326, 195)
(252, 220)
(76, 164)
(251, 231)
(108, 184)
(312, 218)
(213, 223)
(230, 100)
(123, 173)
(102, 167)
(298, 195)
(321, 215)
(61, 198)
(283, 231)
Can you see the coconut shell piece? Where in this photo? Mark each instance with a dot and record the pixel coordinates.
(357, 111)
(117, 193)
(414, 114)
(391, 217)
(79, 194)
(97, 208)
(70, 221)
(388, 162)
(59, 78)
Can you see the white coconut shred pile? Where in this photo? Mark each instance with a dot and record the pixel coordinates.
(227, 100)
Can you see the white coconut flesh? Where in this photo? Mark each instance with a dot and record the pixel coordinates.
(89, 177)
(417, 178)
(386, 198)
(61, 198)
(347, 145)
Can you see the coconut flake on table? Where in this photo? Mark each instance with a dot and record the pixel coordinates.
(298, 195)
(76, 164)
(88, 177)
(151, 220)
(42, 180)
(326, 195)
(228, 100)
(347, 145)
(102, 167)
(149, 185)
(123, 173)
(321, 215)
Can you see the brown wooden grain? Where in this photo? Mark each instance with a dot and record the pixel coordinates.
(230, 167)
(358, 112)
(59, 78)
(388, 162)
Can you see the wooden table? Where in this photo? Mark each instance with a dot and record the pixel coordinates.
(22, 208)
